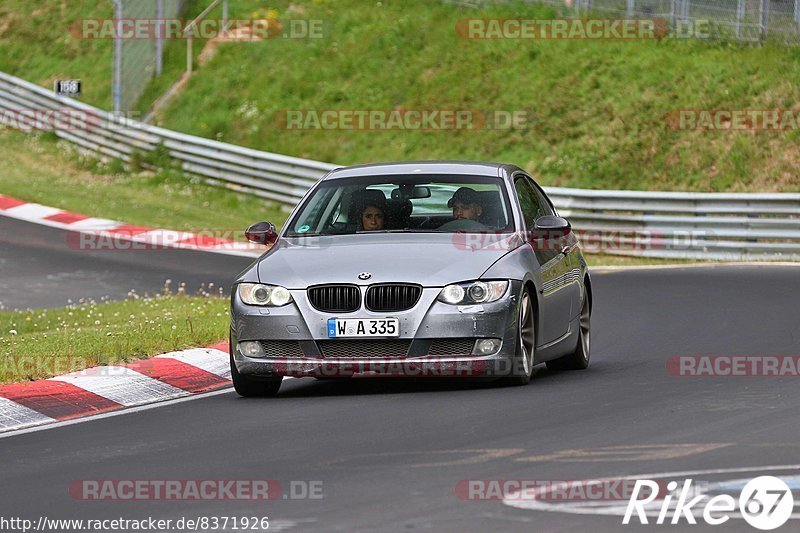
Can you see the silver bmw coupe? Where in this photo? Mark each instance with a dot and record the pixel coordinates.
(420, 269)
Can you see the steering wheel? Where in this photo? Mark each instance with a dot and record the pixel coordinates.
(463, 225)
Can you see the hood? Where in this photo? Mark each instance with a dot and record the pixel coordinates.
(430, 259)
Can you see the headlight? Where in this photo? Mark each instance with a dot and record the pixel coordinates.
(259, 294)
(473, 292)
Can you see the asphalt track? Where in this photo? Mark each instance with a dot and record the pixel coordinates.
(39, 268)
(390, 454)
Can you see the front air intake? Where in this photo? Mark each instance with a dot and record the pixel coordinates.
(392, 297)
(335, 298)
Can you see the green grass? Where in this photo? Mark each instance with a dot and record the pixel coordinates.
(39, 43)
(600, 260)
(38, 169)
(36, 44)
(597, 109)
(43, 343)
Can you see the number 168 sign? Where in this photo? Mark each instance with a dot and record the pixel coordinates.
(70, 88)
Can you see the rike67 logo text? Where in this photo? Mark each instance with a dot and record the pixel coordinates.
(765, 503)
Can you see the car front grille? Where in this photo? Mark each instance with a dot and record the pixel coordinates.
(451, 347)
(392, 297)
(335, 298)
(282, 348)
(364, 348)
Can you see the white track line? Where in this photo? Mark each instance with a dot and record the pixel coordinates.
(32, 211)
(110, 414)
(43, 426)
(208, 359)
(122, 385)
(14, 414)
(37, 214)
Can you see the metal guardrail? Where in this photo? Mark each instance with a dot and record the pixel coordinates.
(719, 226)
(276, 177)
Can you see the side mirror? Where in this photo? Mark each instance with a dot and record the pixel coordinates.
(262, 233)
(551, 227)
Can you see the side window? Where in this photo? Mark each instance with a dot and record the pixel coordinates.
(544, 202)
(539, 207)
(528, 201)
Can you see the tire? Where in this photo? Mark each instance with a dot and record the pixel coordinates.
(254, 388)
(579, 359)
(522, 370)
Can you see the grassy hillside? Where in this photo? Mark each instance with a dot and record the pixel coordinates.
(596, 109)
(36, 168)
(36, 44)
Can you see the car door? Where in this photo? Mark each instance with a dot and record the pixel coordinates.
(554, 319)
(568, 248)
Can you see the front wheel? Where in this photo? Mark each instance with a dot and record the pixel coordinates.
(579, 359)
(526, 343)
(254, 388)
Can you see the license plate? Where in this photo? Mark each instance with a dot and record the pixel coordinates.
(363, 327)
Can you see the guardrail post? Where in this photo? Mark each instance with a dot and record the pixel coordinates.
(224, 17)
(764, 18)
(672, 17)
(797, 15)
(116, 88)
(159, 37)
(740, 16)
(189, 52)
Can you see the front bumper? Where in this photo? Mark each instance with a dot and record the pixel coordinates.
(430, 323)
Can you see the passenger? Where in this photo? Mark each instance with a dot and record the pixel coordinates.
(372, 217)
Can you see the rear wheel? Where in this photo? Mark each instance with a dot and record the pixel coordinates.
(526, 343)
(254, 388)
(579, 359)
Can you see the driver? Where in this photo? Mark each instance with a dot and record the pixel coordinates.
(467, 208)
(466, 204)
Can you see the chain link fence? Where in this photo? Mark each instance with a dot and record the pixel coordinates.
(740, 20)
(746, 20)
(137, 61)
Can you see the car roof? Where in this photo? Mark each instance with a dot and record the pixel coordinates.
(470, 168)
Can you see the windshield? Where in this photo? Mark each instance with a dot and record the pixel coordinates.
(404, 204)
